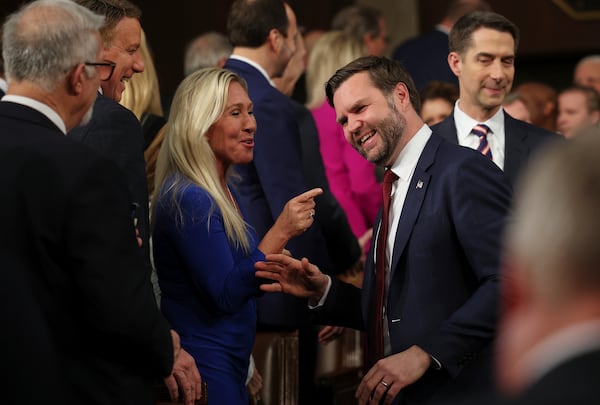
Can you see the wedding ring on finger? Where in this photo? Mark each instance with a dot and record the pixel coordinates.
(386, 385)
(312, 215)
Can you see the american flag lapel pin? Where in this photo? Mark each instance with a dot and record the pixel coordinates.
(420, 184)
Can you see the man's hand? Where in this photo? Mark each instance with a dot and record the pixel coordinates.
(254, 386)
(185, 375)
(330, 333)
(389, 375)
(292, 276)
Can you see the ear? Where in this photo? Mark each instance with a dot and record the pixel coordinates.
(455, 63)
(549, 106)
(402, 96)
(76, 78)
(595, 117)
(368, 39)
(274, 40)
(516, 288)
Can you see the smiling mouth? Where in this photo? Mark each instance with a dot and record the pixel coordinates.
(366, 137)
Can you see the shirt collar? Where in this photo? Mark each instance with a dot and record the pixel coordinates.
(405, 164)
(464, 123)
(254, 65)
(40, 107)
(561, 346)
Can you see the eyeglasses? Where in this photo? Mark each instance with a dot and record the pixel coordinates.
(105, 69)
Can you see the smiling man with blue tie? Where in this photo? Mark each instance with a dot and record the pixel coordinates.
(430, 296)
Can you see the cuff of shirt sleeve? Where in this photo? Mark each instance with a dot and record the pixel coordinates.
(435, 363)
(313, 303)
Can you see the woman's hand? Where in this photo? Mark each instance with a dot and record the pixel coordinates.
(298, 214)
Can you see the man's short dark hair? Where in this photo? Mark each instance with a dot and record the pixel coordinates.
(461, 35)
(113, 12)
(250, 21)
(384, 73)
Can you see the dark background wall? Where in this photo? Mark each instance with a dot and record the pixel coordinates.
(552, 40)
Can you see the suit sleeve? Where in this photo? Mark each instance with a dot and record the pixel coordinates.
(479, 199)
(116, 297)
(342, 306)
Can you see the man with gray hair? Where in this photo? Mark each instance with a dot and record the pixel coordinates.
(587, 72)
(549, 342)
(77, 302)
(207, 50)
(366, 24)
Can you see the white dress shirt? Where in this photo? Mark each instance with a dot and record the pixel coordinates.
(560, 347)
(404, 167)
(496, 137)
(254, 65)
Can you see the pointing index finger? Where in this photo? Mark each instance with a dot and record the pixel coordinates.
(310, 194)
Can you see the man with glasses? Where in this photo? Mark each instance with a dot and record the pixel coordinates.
(80, 322)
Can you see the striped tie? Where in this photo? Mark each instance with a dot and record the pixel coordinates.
(482, 131)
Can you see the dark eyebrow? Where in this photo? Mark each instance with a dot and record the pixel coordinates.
(355, 106)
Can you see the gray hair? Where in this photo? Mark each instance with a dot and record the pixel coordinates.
(595, 58)
(358, 20)
(46, 38)
(555, 229)
(207, 50)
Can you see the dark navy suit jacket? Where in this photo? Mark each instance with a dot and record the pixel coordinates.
(573, 382)
(270, 181)
(426, 58)
(443, 293)
(72, 272)
(115, 132)
(521, 142)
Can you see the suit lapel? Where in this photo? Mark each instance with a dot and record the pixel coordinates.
(414, 199)
(514, 148)
(446, 129)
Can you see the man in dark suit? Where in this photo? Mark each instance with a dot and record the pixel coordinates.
(482, 55)
(114, 130)
(261, 52)
(426, 56)
(276, 174)
(549, 341)
(79, 305)
(438, 266)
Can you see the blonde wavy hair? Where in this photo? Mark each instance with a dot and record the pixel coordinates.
(331, 51)
(142, 93)
(185, 155)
